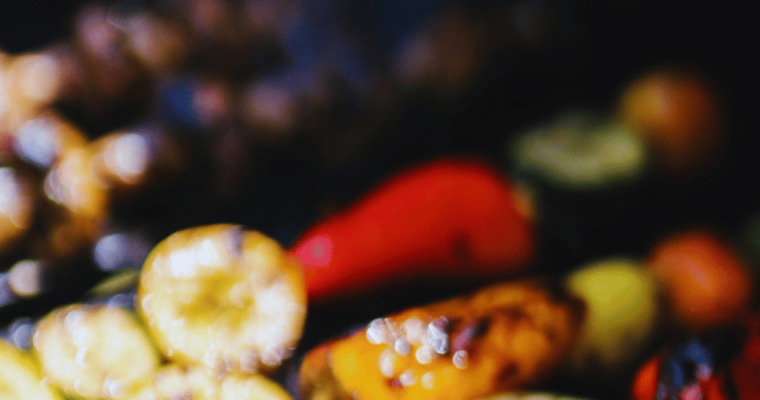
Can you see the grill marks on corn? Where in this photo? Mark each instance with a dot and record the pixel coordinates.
(448, 335)
(395, 383)
(507, 372)
(469, 333)
(509, 336)
(516, 314)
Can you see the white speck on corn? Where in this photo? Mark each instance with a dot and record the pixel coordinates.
(425, 354)
(402, 347)
(437, 337)
(377, 333)
(407, 378)
(427, 380)
(460, 359)
(387, 363)
(414, 330)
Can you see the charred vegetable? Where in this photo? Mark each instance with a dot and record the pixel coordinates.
(505, 337)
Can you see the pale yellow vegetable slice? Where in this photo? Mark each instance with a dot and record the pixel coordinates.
(20, 377)
(220, 296)
(251, 387)
(94, 352)
(581, 151)
(175, 381)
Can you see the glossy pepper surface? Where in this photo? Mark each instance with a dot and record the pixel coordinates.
(450, 218)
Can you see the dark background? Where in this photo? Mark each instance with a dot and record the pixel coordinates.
(592, 50)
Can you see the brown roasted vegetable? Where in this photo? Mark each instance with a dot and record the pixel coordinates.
(80, 203)
(16, 207)
(131, 160)
(507, 336)
(44, 139)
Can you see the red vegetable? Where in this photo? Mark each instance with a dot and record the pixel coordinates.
(738, 379)
(645, 383)
(450, 218)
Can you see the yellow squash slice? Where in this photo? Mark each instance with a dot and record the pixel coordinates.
(94, 352)
(220, 296)
(175, 381)
(20, 377)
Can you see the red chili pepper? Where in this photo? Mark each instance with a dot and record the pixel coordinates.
(449, 218)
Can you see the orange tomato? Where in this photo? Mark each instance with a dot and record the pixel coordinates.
(645, 383)
(705, 282)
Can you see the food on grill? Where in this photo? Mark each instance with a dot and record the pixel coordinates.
(224, 297)
(508, 336)
(94, 352)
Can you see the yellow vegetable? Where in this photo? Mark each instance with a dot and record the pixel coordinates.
(220, 296)
(621, 312)
(94, 352)
(508, 336)
(175, 381)
(20, 377)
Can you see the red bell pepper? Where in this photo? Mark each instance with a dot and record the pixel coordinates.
(450, 218)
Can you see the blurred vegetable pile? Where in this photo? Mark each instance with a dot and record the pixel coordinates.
(407, 156)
